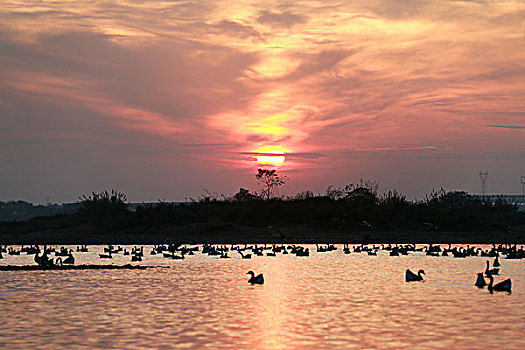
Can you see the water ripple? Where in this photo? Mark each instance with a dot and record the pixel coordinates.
(327, 301)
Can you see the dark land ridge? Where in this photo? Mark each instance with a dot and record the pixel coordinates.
(74, 267)
(354, 214)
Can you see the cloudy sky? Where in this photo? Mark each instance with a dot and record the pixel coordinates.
(162, 99)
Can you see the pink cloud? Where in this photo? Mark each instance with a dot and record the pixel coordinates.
(213, 81)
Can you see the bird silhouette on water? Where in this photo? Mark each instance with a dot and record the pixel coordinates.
(489, 271)
(411, 277)
(496, 262)
(259, 279)
(504, 286)
(480, 281)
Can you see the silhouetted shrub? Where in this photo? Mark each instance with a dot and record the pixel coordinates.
(104, 205)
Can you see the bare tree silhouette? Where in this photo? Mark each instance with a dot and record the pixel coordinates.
(269, 180)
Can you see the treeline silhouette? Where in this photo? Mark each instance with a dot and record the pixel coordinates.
(353, 207)
(22, 210)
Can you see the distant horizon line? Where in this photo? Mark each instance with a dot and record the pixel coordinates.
(135, 203)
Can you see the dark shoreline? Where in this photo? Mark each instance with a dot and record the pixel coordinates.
(74, 267)
(233, 234)
(353, 215)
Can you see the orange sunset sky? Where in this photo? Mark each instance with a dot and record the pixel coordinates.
(162, 99)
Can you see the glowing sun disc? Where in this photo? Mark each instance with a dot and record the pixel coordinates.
(270, 159)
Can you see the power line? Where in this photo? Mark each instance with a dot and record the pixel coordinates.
(483, 176)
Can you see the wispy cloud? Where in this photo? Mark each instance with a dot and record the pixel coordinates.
(317, 78)
(292, 155)
(406, 148)
(281, 20)
(233, 28)
(506, 126)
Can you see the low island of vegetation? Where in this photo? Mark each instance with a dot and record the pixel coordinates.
(355, 213)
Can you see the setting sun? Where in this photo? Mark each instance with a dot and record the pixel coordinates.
(270, 156)
(271, 159)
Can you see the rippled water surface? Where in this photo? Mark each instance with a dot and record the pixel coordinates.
(325, 301)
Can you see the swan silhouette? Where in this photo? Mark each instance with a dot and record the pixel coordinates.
(70, 259)
(496, 262)
(106, 256)
(489, 271)
(44, 260)
(245, 256)
(504, 286)
(136, 258)
(480, 281)
(259, 279)
(410, 276)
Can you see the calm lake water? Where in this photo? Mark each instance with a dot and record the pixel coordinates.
(325, 301)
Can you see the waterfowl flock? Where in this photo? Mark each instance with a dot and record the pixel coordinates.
(503, 286)
(48, 257)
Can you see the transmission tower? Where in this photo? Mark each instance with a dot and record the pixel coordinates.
(483, 176)
(523, 185)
